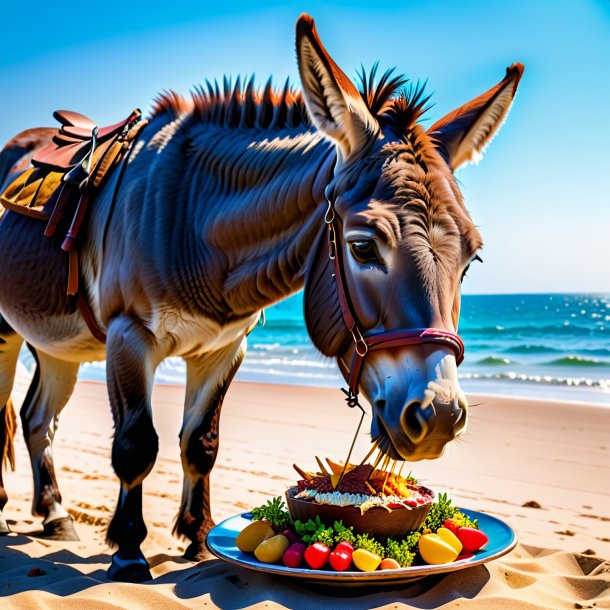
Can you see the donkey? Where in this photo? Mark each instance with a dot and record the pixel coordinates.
(220, 212)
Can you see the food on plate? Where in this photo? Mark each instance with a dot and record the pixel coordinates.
(321, 541)
(252, 535)
(365, 560)
(369, 499)
(272, 549)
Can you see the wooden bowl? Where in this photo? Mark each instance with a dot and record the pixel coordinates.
(376, 521)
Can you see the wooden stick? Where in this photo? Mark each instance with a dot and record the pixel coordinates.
(352, 447)
(368, 455)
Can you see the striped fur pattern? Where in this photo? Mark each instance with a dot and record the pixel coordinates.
(219, 214)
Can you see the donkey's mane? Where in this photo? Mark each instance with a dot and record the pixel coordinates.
(389, 99)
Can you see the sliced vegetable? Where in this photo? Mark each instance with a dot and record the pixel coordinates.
(293, 557)
(252, 535)
(472, 540)
(316, 555)
(272, 549)
(366, 560)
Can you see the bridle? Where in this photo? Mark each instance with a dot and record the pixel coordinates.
(376, 341)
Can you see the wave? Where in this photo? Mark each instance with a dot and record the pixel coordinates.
(495, 361)
(577, 361)
(528, 348)
(534, 330)
(583, 382)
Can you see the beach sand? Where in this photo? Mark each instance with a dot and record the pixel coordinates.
(516, 452)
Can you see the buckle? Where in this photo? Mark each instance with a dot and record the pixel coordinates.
(332, 243)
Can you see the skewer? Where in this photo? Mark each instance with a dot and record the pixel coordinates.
(352, 447)
(401, 467)
(387, 476)
(372, 450)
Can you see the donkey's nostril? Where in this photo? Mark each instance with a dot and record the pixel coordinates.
(415, 424)
(379, 405)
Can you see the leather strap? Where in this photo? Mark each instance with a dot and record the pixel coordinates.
(377, 341)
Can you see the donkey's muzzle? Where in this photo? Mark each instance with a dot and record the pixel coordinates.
(422, 432)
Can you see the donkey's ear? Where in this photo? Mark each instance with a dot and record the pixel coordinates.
(332, 100)
(462, 135)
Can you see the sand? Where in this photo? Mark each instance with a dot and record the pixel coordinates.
(516, 452)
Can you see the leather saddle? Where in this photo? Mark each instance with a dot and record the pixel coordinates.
(66, 174)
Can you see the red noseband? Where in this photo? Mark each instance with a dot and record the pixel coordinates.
(393, 338)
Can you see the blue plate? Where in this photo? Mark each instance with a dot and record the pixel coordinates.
(221, 542)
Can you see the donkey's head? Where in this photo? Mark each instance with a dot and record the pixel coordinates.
(404, 240)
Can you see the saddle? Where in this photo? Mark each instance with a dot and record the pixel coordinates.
(65, 175)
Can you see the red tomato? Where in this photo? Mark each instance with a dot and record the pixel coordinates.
(340, 560)
(345, 546)
(316, 555)
(472, 540)
(293, 556)
(450, 525)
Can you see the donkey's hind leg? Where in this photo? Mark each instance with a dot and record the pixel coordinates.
(10, 344)
(49, 392)
(208, 378)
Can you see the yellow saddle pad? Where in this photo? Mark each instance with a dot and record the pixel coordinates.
(30, 191)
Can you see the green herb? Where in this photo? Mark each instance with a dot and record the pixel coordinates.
(462, 520)
(439, 512)
(342, 533)
(274, 511)
(368, 543)
(403, 551)
(312, 531)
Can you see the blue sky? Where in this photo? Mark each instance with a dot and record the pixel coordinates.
(541, 195)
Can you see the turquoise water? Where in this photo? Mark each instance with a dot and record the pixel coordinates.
(548, 346)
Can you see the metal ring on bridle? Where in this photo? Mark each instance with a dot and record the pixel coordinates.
(361, 347)
(330, 210)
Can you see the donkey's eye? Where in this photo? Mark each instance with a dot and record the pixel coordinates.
(364, 251)
(476, 258)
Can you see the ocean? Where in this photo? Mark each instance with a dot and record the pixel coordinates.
(538, 345)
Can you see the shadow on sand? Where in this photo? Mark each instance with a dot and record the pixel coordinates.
(231, 588)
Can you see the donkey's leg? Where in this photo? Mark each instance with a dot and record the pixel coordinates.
(10, 344)
(208, 378)
(49, 393)
(130, 366)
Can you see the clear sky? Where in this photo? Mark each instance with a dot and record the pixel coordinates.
(541, 195)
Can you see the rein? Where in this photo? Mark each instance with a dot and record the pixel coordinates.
(376, 341)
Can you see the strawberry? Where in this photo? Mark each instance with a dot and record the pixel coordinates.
(316, 555)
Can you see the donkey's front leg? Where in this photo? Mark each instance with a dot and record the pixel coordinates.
(208, 378)
(130, 366)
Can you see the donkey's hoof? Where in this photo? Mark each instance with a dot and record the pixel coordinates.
(4, 528)
(60, 529)
(193, 551)
(129, 570)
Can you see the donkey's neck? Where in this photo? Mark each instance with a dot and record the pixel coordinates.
(267, 211)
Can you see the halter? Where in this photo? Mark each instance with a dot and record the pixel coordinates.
(377, 341)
